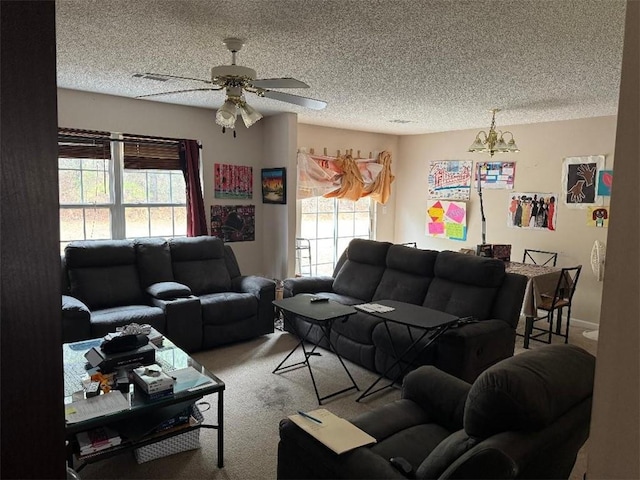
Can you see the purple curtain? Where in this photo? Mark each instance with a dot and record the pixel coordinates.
(196, 218)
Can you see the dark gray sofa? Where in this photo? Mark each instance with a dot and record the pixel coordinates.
(462, 285)
(525, 417)
(190, 289)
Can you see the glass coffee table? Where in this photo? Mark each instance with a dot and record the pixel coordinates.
(134, 412)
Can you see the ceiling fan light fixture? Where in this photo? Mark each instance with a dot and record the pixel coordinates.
(227, 114)
(249, 114)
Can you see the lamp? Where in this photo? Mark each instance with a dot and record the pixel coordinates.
(227, 114)
(249, 114)
(493, 141)
(490, 142)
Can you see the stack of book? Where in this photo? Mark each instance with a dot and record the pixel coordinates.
(98, 439)
(153, 382)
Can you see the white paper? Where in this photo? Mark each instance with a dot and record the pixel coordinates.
(374, 308)
(94, 407)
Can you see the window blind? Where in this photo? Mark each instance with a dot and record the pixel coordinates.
(74, 143)
(151, 153)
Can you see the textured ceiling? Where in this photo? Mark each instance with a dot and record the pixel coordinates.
(440, 65)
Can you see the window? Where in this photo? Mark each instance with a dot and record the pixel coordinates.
(119, 186)
(330, 224)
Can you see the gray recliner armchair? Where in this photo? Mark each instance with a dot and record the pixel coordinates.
(525, 417)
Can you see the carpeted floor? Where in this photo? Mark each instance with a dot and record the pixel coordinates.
(254, 402)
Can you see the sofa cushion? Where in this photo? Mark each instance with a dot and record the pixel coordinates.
(103, 273)
(228, 307)
(465, 285)
(168, 290)
(199, 263)
(412, 260)
(529, 391)
(469, 269)
(361, 272)
(99, 253)
(460, 299)
(106, 320)
(154, 260)
(104, 287)
(447, 451)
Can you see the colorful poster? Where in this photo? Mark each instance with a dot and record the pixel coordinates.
(274, 185)
(233, 181)
(605, 180)
(447, 220)
(533, 211)
(580, 180)
(496, 175)
(598, 217)
(450, 179)
(233, 223)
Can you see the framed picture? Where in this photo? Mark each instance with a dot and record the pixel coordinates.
(274, 185)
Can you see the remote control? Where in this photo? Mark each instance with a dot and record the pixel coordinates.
(318, 299)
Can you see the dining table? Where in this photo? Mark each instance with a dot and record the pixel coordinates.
(542, 280)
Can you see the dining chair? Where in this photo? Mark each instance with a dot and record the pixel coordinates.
(554, 305)
(539, 257)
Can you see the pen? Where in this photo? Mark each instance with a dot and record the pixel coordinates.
(306, 415)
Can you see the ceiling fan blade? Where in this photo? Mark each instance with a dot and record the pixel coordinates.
(286, 82)
(179, 91)
(295, 99)
(159, 76)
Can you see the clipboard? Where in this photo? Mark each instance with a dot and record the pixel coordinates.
(335, 432)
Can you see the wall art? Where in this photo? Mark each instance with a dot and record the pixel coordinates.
(274, 185)
(598, 217)
(496, 175)
(605, 181)
(233, 223)
(447, 219)
(532, 211)
(450, 179)
(580, 180)
(233, 181)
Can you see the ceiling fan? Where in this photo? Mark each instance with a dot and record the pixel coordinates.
(236, 80)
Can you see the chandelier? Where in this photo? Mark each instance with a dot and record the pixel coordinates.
(493, 141)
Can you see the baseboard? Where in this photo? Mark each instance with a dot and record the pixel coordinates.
(575, 322)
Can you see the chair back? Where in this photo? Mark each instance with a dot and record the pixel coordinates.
(524, 417)
(567, 282)
(540, 257)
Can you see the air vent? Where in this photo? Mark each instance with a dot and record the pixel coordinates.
(148, 76)
(399, 120)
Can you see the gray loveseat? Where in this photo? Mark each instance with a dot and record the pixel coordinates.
(189, 289)
(462, 285)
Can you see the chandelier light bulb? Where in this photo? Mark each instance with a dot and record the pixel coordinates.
(249, 114)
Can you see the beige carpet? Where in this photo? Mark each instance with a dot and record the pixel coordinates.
(255, 401)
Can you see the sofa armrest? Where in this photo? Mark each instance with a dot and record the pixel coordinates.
(468, 350)
(168, 290)
(508, 303)
(302, 456)
(264, 290)
(76, 320)
(183, 318)
(253, 284)
(440, 395)
(294, 286)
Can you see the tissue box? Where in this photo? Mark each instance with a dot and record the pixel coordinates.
(178, 443)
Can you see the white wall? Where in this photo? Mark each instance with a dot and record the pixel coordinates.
(614, 442)
(279, 221)
(333, 139)
(538, 169)
(118, 114)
